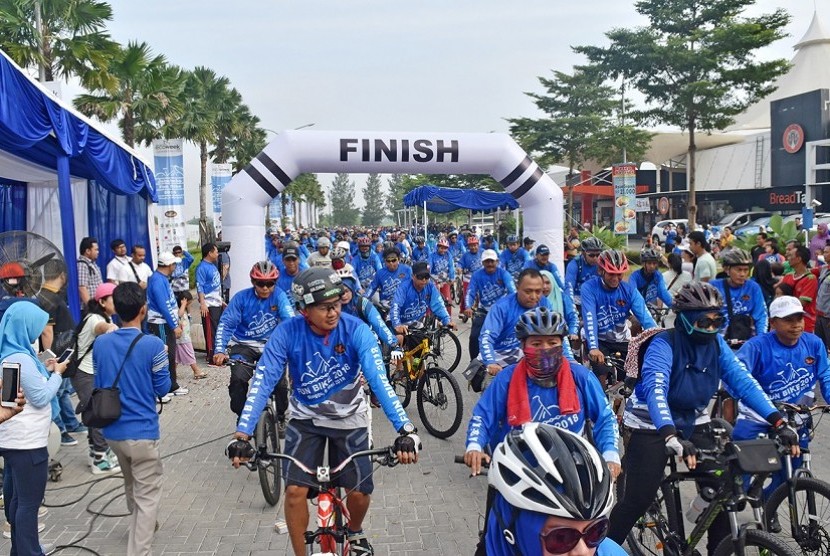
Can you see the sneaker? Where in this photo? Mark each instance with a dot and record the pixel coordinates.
(359, 545)
(80, 429)
(42, 511)
(166, 398)
(68, 440)
(112, 458)
(101, 465)
(7, 529)
(181, 391)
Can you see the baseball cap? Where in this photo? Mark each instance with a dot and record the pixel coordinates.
(489, 255)
(785, 306)
(290, 251)
(104, 290)
(542, 250)
(528, 240)
(167, 258)
(324, 242)
(420, 268)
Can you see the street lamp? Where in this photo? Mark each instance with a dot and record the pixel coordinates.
(295, 129)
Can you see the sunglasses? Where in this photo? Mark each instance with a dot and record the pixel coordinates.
(592, 255)
(422, 276)
(391, 260)
(563, 539)
(707, 322)
(264, 284)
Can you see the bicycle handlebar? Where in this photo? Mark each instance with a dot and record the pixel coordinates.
(802, 408)
(386, 458)
(242, 362)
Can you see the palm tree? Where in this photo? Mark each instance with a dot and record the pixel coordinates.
(144, 95)
(72, 41)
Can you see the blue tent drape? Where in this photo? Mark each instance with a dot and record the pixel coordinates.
(12, 205)
(113, 216)
(446, 199)
(37, 128)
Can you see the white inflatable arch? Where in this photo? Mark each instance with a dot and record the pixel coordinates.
(295, 152)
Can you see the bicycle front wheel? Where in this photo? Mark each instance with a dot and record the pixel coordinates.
(756, 542)
(270, 475)
(447, 350)
(439, 402)
(650, 536)
(400, 383)
(810, 516)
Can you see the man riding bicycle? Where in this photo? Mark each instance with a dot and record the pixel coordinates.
(245, 326)
(487, 285)
(412, 300)
(606, 302)
(366, 263)
(514, 257)
(582, 268)
(746, 311)
(442, 268)
(388, 278)
(469, 263)
(325, 352)
(648, 281)
(420, 252)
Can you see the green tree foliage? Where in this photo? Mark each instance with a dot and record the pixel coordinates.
(343, 210)
(73, 40)
(374, 211)
(695, 64)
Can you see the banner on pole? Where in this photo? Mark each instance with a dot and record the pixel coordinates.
(624, 178)
(288, 219)
(275, 212)
(220, 175)
(169, 171)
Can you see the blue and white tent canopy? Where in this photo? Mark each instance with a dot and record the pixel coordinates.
(446, 199)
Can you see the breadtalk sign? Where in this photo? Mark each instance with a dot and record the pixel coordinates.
(794, 198)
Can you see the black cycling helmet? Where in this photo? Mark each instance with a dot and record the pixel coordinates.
(545, 469)
(315, 285)
(649, 254)
(540, 321)
(591, 244)
(697, 296)
(735, 257)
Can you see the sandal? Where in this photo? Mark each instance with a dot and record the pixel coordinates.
(200, 376)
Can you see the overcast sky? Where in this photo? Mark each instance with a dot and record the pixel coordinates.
(388, 65)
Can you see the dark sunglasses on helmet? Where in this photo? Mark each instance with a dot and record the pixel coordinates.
(563, 539)
(264, 283)
(708, 322)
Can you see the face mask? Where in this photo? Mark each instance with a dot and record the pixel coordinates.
(687, 267)
(698, 335)
(543, 363)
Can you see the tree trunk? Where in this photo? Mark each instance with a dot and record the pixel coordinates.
(205, 235)
(692, 198)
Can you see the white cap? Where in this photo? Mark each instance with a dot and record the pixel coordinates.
(489, 255)
(343, 245)
(167, 258)
(785, 306)
(323, 242)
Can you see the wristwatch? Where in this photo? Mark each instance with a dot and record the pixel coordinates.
(408, 428)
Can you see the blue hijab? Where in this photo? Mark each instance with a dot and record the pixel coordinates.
(21, 326)
(527, 527)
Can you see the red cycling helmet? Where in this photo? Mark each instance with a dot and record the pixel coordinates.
(472, 240)
(264, 270)
(364, 241)
(613, 261)
(443, 243)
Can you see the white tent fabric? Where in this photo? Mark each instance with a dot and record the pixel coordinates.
(43, 210)
(810, 71)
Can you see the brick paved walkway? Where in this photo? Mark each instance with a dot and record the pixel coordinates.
(210, 508)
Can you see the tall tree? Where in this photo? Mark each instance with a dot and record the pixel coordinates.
(73, 40)
(343, 211)
(374, 211)
(695, 64)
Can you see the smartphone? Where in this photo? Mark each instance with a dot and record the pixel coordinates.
(46, 355)
(11, 383)
(67, 353)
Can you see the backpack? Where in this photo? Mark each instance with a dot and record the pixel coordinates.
(76, 358)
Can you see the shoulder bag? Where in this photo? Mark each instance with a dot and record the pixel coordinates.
(104, 405)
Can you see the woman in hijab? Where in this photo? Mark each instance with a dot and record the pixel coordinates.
(818, 242)
(23, 439)
(765, 278)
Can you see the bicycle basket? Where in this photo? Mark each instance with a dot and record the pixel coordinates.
(754, 456)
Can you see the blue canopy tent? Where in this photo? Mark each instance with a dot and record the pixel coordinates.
(46, 146)
(447, 199)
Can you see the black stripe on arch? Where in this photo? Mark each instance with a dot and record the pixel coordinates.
(530, 182)
(261, 181)
(517, 171)
(274, 168)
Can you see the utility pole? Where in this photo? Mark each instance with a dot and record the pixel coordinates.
(39, 27)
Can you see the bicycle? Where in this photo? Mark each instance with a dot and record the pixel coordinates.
(659, 314)
(331, 534)
(266, 436)
(662, 529)
(446, 347)
(800, 506)
(436, 388)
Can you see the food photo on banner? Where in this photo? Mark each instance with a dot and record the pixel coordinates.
(624, 178)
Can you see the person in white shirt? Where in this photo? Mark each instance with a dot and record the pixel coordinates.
(117, 268)
(705, 267)
(137, 270)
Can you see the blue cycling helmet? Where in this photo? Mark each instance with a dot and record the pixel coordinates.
(540, 321)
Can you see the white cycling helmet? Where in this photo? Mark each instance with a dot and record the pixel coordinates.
(549, 470)
(343, 245)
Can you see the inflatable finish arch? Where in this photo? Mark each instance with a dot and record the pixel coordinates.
(295, 152)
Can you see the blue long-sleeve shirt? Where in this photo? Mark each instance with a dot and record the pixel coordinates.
(550, 267)
(514, 263)
(489, 288)
(456, 250)
(371, 316)
(498, 333)
(420, 253)
(605, 311)
(386, 282)
(366, 267)
(488, 424)
(577, 273)
(746, 300)
(209, 283)
(161, 302)
(410, 305)
(249, 319)
(441, 267)
(470, 262)
(652, 289)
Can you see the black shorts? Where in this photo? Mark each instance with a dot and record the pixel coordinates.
(307, 442)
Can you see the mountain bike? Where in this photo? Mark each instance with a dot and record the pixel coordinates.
(662, 529)
(438, 395)
(800, 507)
(267, 437)
(445, 345)
(330, 538)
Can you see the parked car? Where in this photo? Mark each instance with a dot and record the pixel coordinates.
(753, 227)
(658, 232)
(737, 219)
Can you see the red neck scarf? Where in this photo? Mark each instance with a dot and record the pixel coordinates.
(518, 401)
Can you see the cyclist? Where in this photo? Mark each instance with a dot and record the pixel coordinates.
(420, 252)
(648, 281)
(469, 263)
(292, 265)
(746, 311)
(455, 247)
(325, 352)
(583, 267)
(553, 496)
(388, 278)
(321, 257)
(366, 264)
(442, 268)
(365, 310)
(245, 326)
(412, 300)
(606, 302)
(487, 285)
(667, 411)
(787, 362)
(488, 242)
(513, 258)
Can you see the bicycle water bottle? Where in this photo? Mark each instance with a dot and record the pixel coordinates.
(700, 503)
